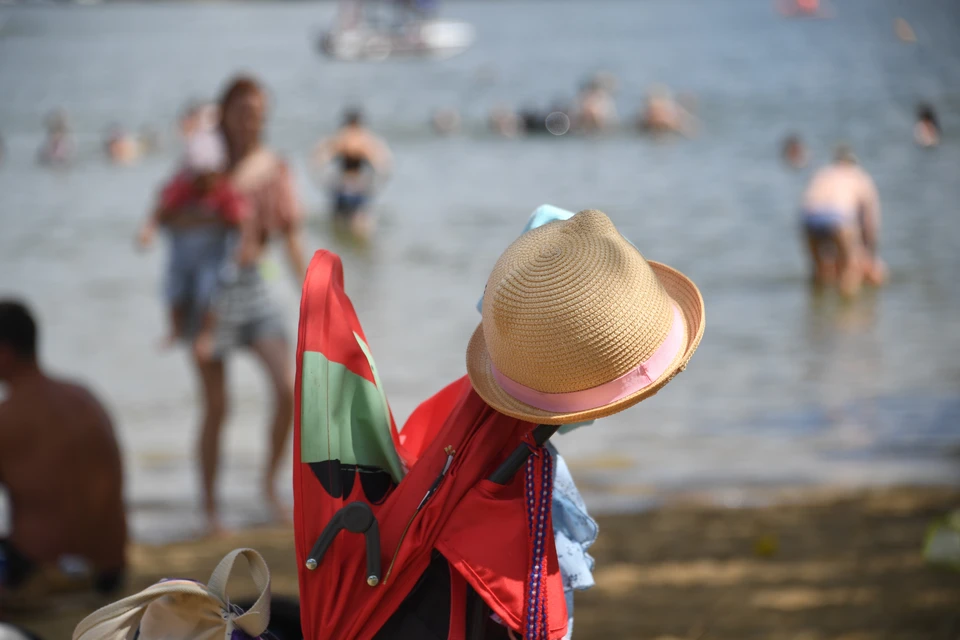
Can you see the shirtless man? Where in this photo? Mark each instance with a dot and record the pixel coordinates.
(841, 223)
(60, 464)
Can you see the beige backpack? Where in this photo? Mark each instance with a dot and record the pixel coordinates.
(185, 610)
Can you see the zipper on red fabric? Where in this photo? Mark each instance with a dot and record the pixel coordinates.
(451, 452)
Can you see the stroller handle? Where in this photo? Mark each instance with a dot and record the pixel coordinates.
(509, 467)
(356, 517)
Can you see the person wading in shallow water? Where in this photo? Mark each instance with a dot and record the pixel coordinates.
(363, 158)
(840, 217)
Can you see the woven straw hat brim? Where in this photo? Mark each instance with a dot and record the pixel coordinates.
(680, 289)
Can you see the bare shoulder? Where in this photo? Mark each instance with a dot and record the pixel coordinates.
(256, 170)
(82, 399)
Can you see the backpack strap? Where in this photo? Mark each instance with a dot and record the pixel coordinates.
(120, 620)
(255, 620)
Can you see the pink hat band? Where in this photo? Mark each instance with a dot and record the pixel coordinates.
(637, 379)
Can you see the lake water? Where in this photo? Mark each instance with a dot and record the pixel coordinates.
(786, 389)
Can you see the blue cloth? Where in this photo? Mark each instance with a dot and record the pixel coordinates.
(197, 257)
(573, 528)
(198, 260)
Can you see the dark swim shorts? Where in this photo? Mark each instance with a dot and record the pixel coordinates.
(16, 569)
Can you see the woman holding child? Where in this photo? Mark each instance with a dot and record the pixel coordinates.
(241, 313)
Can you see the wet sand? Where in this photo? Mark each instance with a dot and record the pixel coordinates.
(822, 565)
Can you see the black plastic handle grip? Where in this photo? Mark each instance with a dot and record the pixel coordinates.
(356, 517)
(509, 467)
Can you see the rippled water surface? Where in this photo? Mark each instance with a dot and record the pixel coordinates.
(787, 388)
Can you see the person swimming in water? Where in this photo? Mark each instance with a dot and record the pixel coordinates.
(120, 147)
(662, 114)
(596, 110)
(57, 150)
(927, 130)
(362, 158)
(840, 216)
(794, 152)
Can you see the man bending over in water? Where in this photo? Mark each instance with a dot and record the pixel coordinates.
(841, 222)
(60, 464)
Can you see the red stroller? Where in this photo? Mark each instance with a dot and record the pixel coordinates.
(442, 530)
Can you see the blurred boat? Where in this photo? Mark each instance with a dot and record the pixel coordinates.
(362, 34)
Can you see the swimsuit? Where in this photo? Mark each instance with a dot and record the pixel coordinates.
(199, 261)
(823, 223)
(350, 163)
(348, 201)
(16, 569)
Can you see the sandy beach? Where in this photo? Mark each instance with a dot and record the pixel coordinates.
(823, 565)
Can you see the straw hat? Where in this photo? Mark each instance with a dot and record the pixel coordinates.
(578, 325)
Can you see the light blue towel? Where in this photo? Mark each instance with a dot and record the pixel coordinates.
(573, 528)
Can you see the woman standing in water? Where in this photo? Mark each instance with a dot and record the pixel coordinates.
(362, 157)
(246, 316)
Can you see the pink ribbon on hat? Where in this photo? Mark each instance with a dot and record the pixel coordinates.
(637, 379)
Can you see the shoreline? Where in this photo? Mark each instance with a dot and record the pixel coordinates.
(828, 564)
(149, 519)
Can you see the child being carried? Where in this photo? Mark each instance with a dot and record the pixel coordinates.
(207, 224)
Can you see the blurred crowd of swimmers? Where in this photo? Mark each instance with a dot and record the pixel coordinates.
(593, 110)
(840, 211)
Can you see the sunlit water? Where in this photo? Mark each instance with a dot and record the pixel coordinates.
(785, 389)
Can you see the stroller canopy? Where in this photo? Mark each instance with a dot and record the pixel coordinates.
(411, 500)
